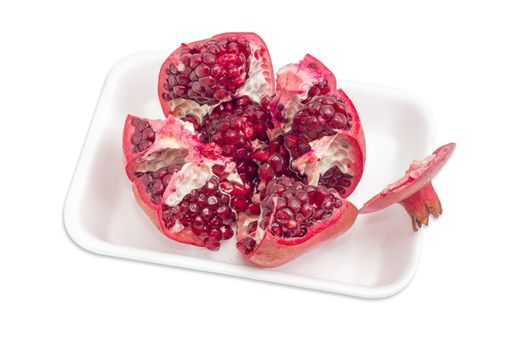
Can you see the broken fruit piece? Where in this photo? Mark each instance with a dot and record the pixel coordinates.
(414, 191)
(294, 219)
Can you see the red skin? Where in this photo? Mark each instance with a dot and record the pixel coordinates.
(414, 190)
(253, 38)
(274, 251)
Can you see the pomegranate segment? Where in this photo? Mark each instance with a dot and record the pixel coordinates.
(414, 191)
(320, 123)
(198, 76)
(176, 161)
(294, 219)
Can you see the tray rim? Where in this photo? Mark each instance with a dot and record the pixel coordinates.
(88, 242)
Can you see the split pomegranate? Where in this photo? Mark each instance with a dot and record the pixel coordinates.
(322, 129)
(198, 76)
(294, 219)
(414, 190)
(237, 155)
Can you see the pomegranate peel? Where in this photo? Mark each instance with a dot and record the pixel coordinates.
(414, 191)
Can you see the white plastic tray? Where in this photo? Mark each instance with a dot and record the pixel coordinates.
(377, 258)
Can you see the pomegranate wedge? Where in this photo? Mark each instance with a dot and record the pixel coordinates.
(295, 218)
(322, 129)
(183, 185)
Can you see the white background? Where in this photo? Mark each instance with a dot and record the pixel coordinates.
(470, 61)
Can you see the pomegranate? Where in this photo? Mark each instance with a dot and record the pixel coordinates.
(322, 129)
(237, 155)
(198, 76)
(414, 191)
(178, 181)
(294, 219)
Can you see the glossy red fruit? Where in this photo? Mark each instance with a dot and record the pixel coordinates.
(198, 76)
(414, 190)
(322, 129)
(294, 219)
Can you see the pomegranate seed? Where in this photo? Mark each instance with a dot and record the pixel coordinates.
(240, 204)
(254, 208)
(216, 234)
(227, 232)
(211, 244)
(157, 186)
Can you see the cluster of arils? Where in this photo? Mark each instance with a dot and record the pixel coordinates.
(242, 153)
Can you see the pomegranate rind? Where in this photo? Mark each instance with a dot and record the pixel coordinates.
(144, 201)
(414, 190)
(274, 251)
(260, 51)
